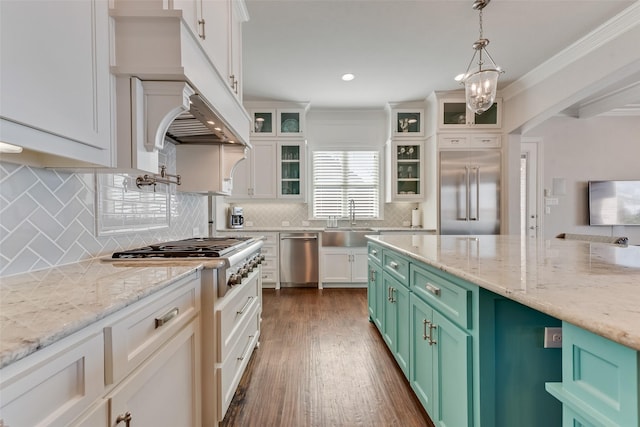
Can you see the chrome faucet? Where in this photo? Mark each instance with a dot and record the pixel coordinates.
(352, 211)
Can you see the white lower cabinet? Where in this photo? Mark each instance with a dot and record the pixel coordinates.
(165, 389)
(140, 366)
(237, 333)
(55, 385)
(343, 265)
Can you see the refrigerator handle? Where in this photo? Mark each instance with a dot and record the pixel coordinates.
(468, 193)
(462, 196)
(476, 217)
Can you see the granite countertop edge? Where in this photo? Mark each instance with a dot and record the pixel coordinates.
(45, 306)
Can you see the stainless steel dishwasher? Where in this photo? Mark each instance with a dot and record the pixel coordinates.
(299, 259)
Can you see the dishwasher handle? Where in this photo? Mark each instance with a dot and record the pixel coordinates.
(299, 238)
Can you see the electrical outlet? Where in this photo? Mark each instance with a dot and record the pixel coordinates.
(195, 231)
(406, 223)
(285, 223)
(552, 337)
(305, 223)
(249, 223)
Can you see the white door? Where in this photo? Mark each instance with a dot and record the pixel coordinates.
(529, 224)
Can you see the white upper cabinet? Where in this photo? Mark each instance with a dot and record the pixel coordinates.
(218, 26)
(407, 122)
(447, 111)
(56, 85)
(278, 119)
(454, 114)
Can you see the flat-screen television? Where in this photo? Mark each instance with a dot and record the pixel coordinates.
(614, 202)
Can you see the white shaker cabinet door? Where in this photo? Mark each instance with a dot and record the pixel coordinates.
(54, 73)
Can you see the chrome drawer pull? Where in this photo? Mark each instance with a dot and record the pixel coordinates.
(167, 317)
(433, 289)
(246, 304)
(430, 339)
(246, 353)
(374, 252)
(393, 265)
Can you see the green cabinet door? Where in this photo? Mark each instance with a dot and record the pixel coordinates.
(440, 365)
(403, 336)
(395, 329)
(375, 294)
(452, 347)
(389, 314)
(421, 363)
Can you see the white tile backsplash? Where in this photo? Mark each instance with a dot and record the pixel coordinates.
(265, 214)
(48, 218)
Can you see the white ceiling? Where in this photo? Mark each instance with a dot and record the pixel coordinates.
(296, 50)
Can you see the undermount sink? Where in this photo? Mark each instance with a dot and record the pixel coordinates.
(346, 237)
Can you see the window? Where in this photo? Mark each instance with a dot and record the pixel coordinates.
(339, 176)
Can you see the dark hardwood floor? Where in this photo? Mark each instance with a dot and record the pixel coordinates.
(322, 363)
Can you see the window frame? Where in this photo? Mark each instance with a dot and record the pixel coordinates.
(380, 186)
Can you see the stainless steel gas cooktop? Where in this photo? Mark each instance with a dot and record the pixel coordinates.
(202, 247)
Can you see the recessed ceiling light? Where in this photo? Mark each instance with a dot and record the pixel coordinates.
(348, 77)
(211, 122)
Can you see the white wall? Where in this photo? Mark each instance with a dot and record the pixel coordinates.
(579, 150)
(351, 128)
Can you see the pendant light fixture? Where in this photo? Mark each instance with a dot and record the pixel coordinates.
(480, 84)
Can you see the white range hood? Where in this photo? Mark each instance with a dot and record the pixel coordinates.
(167, 89)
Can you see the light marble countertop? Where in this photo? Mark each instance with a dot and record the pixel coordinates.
(595, 286)
(39, 308)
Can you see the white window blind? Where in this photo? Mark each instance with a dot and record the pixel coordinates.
(339, 176)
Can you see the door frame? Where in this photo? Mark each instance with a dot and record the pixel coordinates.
(533, 148)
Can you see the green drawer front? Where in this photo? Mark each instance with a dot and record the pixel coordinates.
(452, 300)
(604, 375)
(375, 253)
(397, 266)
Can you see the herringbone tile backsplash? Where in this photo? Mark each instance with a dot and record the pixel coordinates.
(48, 218)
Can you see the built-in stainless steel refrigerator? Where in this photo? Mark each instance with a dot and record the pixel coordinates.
(470, 192)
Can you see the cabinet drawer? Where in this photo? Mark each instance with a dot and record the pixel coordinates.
(147, 325)
(231, 369)
(63, 381)
(269, 276)
(269, 252)
(269, 264)
(375, 253)
(453, 141)
(270, 239)
(450, 299)
(486, 141)
(397, 266)
(232, 312)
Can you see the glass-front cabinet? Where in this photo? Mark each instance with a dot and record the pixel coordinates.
(407, 122)
(405, 170)
(454, 114)
(291, 170)
(281, 122)
(264, 122)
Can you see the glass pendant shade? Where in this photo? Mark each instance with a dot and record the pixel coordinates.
(480, 90)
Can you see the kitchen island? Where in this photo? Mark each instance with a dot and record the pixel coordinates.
(498, 294)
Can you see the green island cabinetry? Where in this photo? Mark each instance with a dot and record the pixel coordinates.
(473, 358)
(599, 381)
